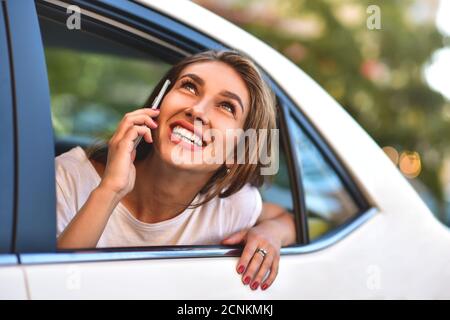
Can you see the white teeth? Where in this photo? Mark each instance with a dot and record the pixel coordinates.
(187, 135)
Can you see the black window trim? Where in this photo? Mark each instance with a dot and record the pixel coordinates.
(301, 222)
(56, 10)
(181, 251)
(144, 19)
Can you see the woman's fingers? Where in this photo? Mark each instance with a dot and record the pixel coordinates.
(258, 267)
(246, 256)
(258, 270)
(273, 274)
(133, 133)
(130, 120)
(152, 113)
(266, 266)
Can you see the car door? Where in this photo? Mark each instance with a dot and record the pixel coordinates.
(114, 32)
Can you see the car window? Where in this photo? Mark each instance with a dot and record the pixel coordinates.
(328, 203)
(93, 81)
(278, 188)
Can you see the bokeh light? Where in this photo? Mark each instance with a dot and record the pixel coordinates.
(392, 153)
(410, 164)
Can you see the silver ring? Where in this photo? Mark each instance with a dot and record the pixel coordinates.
(262, 252)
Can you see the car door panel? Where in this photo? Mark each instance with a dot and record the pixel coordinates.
(12, 283)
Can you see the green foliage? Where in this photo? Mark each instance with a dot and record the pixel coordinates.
(377, 75)
(91, 92)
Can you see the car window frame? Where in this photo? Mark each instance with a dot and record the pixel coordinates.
(297, 119)
(134, 15)
(7, 145)
(34, 162)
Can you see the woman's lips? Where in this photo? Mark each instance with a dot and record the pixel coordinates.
(196, 129)
(186, 145)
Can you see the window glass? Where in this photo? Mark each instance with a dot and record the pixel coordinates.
(278, 189)
(328, 203)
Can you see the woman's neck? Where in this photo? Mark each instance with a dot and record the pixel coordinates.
(162, 192)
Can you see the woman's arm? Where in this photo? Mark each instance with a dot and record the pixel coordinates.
(87, 226)
(274, 228)
(282, 222)
(118, 179)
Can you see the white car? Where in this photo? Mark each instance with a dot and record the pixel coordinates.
(363, 232)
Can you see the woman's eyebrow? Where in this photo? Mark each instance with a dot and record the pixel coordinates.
(234, 96)
(194, 77)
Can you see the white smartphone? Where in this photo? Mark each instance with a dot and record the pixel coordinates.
(155, 105)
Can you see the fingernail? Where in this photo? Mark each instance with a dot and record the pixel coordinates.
(255, 285)
(247, 280)
(264, 286)
(241, 269)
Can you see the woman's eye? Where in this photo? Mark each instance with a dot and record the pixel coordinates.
(228, 107)
(189, 86)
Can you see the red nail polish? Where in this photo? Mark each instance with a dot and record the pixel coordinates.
(264, 286)
(255, 285)
(241, 269)
(247, 280)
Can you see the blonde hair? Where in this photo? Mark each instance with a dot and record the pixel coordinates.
(261, 115)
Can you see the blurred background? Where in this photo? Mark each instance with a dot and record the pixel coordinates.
(392, 78)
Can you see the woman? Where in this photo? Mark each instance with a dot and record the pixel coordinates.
(118, 196)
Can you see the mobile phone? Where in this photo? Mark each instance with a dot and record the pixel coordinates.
(155, 105)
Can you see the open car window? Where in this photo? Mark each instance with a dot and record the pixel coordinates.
(93, 81)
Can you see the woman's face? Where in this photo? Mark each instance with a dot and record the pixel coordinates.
(208, 101)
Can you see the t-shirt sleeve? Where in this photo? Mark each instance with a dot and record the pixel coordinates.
(65, 194)
(245, 209)
(75, 180)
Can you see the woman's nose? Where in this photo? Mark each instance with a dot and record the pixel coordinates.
(199, 112)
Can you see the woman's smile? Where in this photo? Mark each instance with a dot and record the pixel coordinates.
(187, 135)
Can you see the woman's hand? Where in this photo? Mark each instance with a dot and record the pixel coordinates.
(254, 265)
(275, 228)
(120, 172)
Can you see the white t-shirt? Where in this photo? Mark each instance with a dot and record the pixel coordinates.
(205, 225)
